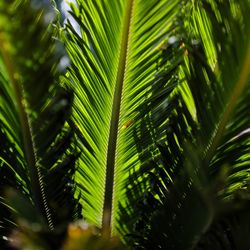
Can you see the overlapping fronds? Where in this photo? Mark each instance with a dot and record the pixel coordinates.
(161, 113)
(225, 137)
(36, 152)
(115, 55)
(205, 155)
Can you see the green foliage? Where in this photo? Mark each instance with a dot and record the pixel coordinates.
(153, 110)
(114, 59)
(204, 159)
(37, 156)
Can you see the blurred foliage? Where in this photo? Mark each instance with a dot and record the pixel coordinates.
(79, 236)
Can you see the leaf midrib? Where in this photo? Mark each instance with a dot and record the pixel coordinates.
(231, 105)
(114, 123)
(36, 185)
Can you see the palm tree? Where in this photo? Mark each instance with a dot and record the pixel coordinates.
(159, 125)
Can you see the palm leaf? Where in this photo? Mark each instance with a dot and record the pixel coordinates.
(36, 152)
(205, 135)
(114, 58)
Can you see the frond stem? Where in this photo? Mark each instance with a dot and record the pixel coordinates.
(115, 116)
(33, 171)
(236, 93)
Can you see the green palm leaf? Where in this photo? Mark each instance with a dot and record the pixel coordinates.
(186, 184)
(114, 59)
(36, 152)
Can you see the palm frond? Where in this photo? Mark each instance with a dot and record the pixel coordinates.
(229, 87)
(36, 152)
(205, 134)
(114, 58)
